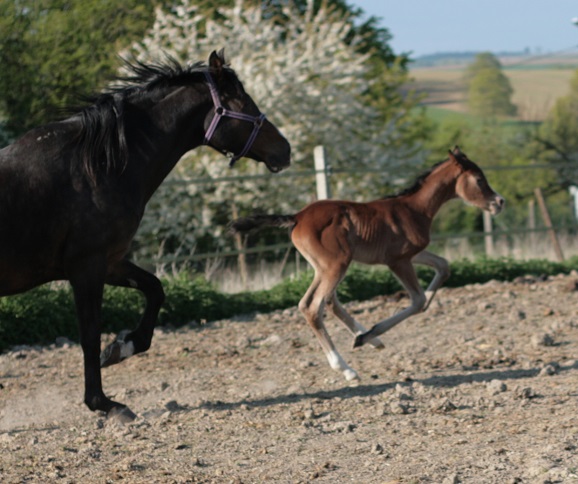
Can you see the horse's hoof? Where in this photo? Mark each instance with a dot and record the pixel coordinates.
(117, 351)
(121, 415)
(110, 355)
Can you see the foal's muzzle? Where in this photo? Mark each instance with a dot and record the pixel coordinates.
(496, 205)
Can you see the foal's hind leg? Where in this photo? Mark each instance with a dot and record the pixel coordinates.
(312, 305)
(352, 324)
(129, 343)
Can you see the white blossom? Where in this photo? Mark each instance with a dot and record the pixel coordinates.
(307, 75)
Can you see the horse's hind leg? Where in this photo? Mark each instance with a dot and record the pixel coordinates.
(312, 305)
(129, 343)
(87, 283)
(352, 324)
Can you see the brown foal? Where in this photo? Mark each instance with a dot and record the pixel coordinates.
(393, 231)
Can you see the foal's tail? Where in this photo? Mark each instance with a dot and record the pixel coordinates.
(257, 221)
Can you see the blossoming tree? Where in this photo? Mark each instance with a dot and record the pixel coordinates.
(307, 74)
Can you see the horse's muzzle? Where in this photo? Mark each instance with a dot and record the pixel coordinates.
(278, 162)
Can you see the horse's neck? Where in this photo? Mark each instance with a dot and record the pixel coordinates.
(437, 189)
(177, 121)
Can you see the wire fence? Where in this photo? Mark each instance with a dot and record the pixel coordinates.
(490, 234)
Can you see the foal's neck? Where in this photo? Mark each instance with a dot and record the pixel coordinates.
(437, 188)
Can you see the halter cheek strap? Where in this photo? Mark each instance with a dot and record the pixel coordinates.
(221, 112)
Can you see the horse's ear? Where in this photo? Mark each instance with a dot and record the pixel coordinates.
(452, 155)
(457, 151)
(217, 61)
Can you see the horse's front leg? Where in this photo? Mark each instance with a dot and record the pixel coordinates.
(129, 343)
(87, 283)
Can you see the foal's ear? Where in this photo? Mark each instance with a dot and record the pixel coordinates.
(457, 151)
(217, 61)
(452, 156)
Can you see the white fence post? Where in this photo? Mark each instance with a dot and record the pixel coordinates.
(321, 173)
(488, 237)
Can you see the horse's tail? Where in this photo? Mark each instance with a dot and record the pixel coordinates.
(257, 221)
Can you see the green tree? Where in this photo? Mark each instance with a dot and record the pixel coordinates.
(488, 90)
(557, 139)
(559, 132)
(482, 61)
(54, 51)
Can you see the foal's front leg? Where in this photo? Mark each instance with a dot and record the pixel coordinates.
(442, 272)
(406, 274)
(352, 324)
(129, 343)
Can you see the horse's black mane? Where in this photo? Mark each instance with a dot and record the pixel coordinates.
(102, 139)
(419, 181)
(147, 77)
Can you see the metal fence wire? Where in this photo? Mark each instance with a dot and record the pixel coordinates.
(323, 177)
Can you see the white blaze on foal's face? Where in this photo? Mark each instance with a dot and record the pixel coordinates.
(473, 188)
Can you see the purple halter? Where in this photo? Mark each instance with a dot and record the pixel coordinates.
(220, 112)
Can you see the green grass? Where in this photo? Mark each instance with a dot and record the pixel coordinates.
(441, 115)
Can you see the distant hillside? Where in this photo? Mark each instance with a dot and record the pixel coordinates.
(537, 80)
(567, 59)
(443, 59)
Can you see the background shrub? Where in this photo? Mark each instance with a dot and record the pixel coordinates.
(41, 315)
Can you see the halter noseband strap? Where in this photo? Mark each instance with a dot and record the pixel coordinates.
(220, 112)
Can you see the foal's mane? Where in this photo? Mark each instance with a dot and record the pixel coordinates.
(461, 158)
(103, 131)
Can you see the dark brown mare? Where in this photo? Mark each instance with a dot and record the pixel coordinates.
(393, 231)
(73, 192)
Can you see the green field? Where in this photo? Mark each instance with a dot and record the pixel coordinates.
(535, 89)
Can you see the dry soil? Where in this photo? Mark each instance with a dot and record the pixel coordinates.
(482, 388)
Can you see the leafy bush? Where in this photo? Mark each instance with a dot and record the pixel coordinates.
(504, 269)
(192, 299)
(41, 315)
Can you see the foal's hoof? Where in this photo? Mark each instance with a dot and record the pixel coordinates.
(117, 351)
(359, 340)
(377, 344)
(121, 415)
(351, 375)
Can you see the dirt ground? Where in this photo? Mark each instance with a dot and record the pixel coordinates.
(482, 388)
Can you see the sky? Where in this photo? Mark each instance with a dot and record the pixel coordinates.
(425, 27)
